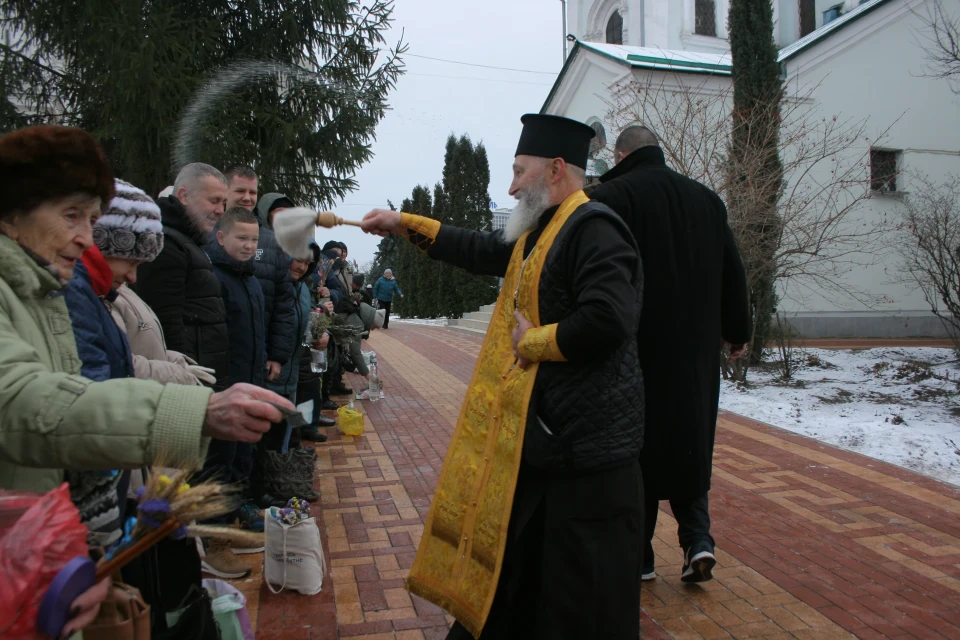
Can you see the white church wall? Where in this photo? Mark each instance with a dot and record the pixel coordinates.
(875, 71)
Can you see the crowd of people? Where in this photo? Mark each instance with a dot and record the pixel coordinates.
(135, 331)
(138, 331)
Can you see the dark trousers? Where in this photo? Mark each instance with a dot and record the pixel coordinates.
(571, 569)
(693, 525)
(228, 463)
(386, 311)
(333, 376)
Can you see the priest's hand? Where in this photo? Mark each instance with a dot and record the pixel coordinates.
(523, 325)
(381, 222)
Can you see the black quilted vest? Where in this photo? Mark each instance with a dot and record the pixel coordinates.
(595, 410)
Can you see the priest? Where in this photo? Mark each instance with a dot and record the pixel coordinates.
(536, 522)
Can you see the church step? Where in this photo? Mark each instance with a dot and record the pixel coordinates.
(479, 325)
(483, 316)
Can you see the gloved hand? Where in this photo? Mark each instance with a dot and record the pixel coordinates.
(203, 374)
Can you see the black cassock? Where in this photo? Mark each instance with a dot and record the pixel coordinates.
(694, 295)
(572, 562)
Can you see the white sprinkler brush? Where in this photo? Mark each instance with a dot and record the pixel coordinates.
(294, 227)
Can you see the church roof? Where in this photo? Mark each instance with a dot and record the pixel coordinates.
(699, 62)
(656, 58)
(824, 32)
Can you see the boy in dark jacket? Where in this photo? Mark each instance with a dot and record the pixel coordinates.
(232, 257)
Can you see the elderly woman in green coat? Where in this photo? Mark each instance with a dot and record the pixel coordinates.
(54, 182)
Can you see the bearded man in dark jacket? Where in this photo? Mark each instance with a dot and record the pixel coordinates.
(695, 296)
(180, 285)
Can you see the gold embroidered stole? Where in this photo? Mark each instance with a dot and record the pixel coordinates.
(458, 563)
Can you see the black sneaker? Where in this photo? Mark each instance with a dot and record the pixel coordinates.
(648, 562)
(341, 390)
(312, 435)
(698, 564)
(329, 405)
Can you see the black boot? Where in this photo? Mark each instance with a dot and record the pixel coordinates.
(328, 405)
(312, 434)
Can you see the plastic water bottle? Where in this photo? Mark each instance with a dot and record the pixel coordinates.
(373, 393)
(318, 360)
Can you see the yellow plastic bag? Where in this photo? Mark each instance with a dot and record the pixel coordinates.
(350, 421)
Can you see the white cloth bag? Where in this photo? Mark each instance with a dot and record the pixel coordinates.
(293, 557)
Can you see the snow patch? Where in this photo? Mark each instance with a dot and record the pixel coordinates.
(898, 405)
(433, 322)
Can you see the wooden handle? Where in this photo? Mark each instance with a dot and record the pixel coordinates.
(124, 558)
(329, 220)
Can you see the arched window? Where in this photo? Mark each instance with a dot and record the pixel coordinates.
(599, 141)
(615, 29)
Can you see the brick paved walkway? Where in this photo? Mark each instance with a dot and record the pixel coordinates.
(813, 542)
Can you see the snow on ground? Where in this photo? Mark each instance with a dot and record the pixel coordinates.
(899, 405)
(434, 322)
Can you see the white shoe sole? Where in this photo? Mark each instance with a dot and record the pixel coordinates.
(649, 577)
(224, 574)
(244, 550)
(700, 568)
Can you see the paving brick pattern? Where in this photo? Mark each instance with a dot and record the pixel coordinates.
(813, 542)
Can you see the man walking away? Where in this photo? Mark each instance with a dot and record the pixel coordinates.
(383, 292)
(695, 294)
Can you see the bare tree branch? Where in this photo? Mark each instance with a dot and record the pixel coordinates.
(928, 245)
(826, 178)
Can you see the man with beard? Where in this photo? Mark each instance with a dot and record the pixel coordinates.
(540, 500)
(180, 285)
(695, 297)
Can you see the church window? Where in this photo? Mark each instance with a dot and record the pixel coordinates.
(705, 17)
(832, 13)
(808, 17)
(615, 29)
(883, 170)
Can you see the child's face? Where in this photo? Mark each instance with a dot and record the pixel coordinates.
(240, 242)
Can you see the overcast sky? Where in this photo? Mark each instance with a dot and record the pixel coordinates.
(434, 99)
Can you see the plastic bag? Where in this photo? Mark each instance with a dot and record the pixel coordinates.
(39, 535)
(230, 610)
(350, 421)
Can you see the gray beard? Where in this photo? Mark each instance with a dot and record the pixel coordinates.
(524, 217)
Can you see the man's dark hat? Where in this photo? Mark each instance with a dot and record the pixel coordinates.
(282, 201)
(546, 136)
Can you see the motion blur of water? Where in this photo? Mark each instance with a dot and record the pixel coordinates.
(227, 80)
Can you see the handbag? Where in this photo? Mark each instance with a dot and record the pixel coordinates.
(194, 620)
(123, 616)
(294, 556)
